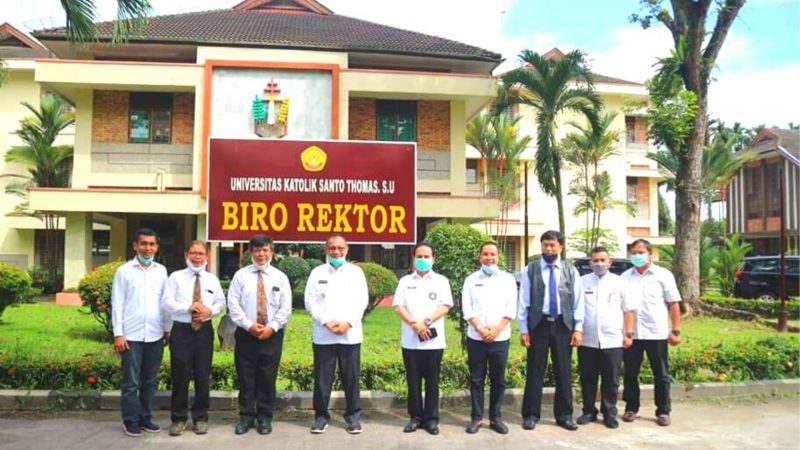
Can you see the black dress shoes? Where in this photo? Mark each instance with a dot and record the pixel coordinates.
(567, 424)
(412, 426)
(432, 427)
(264, 426)
(611, 421)
(529, 424)
(474, 426)
(586, 418)
(243, 426)
(498, 426)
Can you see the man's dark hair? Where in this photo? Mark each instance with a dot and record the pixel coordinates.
(488, 243)
(552, 235)
(424, 244)
(334, 236)
(644, 242)
(197, 242)
(260, 240)
(600, 249)
(144, 231)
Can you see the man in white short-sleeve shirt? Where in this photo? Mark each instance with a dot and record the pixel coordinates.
(658, 321)
(489, 302)
(422, 300)
(607, 329)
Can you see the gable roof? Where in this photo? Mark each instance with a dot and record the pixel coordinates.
(14, 44)
(555, 54)
(785, 142)
(295, 24)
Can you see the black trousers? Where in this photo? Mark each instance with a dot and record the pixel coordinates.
(190, 355)
(481, 355)
(554, 338)
(348, 357)
(257, 371)
(423, 365)
(657, 353)
(604, 363)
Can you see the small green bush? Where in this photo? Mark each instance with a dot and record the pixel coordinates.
(299, 295)
(380, 282)
(314, 262)
(769, 309)
(295, 268)
(95, 291)
(16, 286)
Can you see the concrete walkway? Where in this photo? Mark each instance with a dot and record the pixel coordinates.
(753, 423)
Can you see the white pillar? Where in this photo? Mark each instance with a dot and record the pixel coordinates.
(77, 248)
(118, 239)
(458, 148)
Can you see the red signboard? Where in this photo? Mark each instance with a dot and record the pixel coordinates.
(304, 191)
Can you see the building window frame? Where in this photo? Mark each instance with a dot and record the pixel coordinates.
(150, 117)
(396, 120)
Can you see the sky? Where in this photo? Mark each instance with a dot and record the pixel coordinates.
(755, 81)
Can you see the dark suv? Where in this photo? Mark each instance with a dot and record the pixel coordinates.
(759, 276)
(617, 266)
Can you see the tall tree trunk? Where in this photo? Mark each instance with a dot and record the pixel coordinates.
(560, 203)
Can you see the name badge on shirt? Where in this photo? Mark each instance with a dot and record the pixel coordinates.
(276, 289)
(478, 284)
(589, 292)
(209, 291)
(411, 287)
(432, 296)
(323, 281)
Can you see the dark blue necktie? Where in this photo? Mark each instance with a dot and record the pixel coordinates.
(553, 288)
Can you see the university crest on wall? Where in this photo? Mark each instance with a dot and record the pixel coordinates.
(271, 113)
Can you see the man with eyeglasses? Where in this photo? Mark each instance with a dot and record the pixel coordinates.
(336, 296)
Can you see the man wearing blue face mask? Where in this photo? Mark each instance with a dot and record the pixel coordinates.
(657, 325)
(550, 316)
(489, 302)
(422, 300)
(336, 296)
(139, 330)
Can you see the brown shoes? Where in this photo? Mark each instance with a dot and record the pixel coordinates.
(629, 416)
(663, 420)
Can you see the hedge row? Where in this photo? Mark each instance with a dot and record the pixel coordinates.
(770, 358)
(763, 308)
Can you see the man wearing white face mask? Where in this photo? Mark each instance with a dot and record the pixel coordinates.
(191, 298)
(607, 329)
(489, 302)
(259, 303)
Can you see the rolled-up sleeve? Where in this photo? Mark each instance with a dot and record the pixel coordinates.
(524, 302)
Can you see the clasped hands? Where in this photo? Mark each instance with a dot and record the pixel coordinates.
(337, 328)
(261, 332)
(199, 312)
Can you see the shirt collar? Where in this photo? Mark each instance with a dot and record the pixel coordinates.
(427, 276)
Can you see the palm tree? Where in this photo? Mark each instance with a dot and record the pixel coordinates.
(81, 15)
(47, 164)
(551, 86)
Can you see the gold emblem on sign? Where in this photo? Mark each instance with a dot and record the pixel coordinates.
(313, 159)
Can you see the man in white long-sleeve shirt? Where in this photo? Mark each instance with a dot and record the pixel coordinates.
(259, 303)
(139, 327)
(191, 298)
(336, 297)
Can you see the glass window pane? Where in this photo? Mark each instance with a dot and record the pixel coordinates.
(161, 126)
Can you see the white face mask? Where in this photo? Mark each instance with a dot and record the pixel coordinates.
(196, 269)
(260, 266)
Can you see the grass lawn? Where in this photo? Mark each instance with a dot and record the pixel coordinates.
(54, 333)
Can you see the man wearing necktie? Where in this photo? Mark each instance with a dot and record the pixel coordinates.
(550, 315)
(259, 303)
(191, 298)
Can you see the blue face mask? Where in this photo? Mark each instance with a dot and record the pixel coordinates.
(423, 264)
(549, 259)
(489, 270)
(144, 260)
(639, 259)
(335, 262)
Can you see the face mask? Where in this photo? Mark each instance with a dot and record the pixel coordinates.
(195, 269)
(335, 262)
(423, 264)
(599, 268)
(639, 259)
(260, 266)
(489, 270)
(144, 260)
(550, 259)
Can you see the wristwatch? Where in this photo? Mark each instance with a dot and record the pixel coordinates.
(427, 322)
(629, 334)
(676, 333)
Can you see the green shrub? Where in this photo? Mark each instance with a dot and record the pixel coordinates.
(380, 282)
(295, 268)
(16, 286)
(299, 295)
(313, 262)
(763, 308)
(95, 290)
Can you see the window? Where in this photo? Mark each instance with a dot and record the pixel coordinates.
(752, 187)
(774, 192)
(630, 129)
(638, 198)
(397, 121)
(150, 118)
(472, 171)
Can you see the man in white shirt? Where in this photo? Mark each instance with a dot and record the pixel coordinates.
(658, 323)
(422, 300)
(607, 329)
(139, 328)
(489, 302)
(259, 303)
(191, 298)
(336, 296)
(550, 318)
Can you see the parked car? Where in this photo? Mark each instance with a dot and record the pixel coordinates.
(759, 277)
(617, 266)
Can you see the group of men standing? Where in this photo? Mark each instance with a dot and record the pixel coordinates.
(610, 318)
